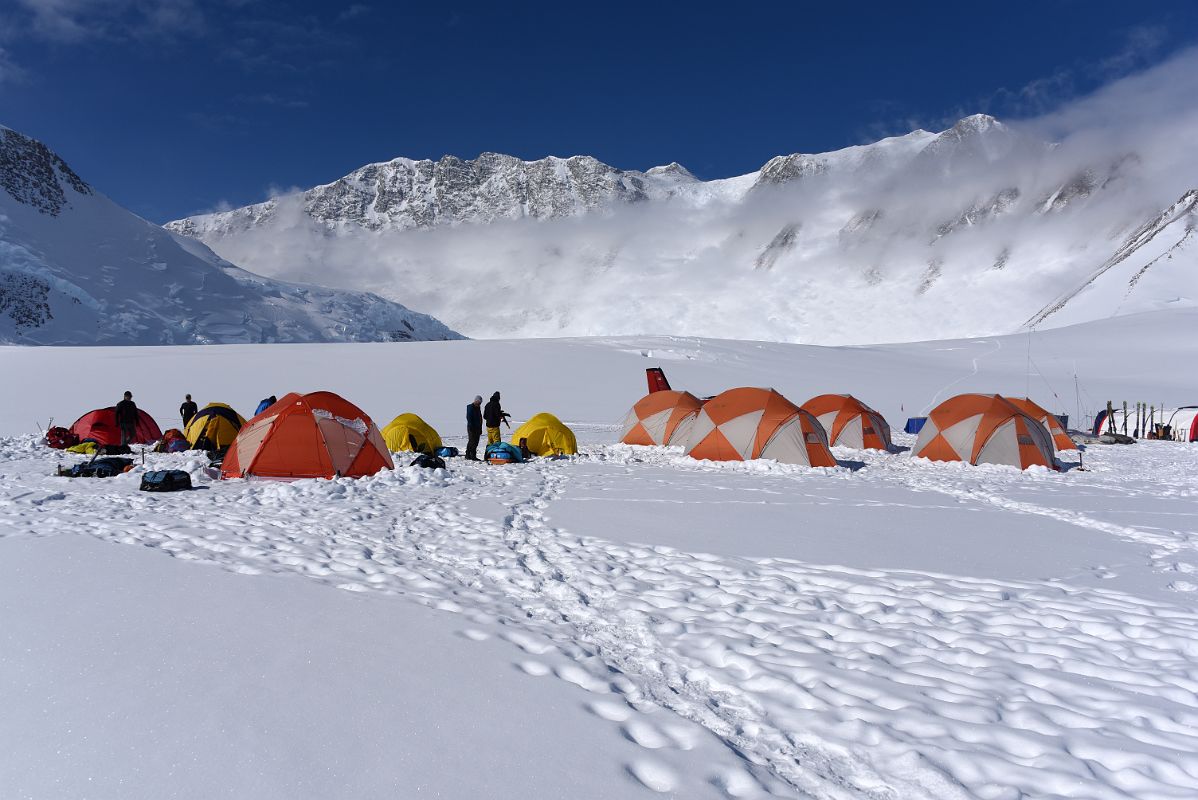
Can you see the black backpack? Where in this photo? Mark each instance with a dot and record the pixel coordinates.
(97, 468)
(428, 462)
(165, 480)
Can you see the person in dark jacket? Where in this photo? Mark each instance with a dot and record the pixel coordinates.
(126, 419)
(493, 415)
(474, 427)
(187, 410)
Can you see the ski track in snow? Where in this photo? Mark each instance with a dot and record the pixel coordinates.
(827, 682)
(976, 360)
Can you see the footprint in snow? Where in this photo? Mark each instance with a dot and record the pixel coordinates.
(735, 783)
(529, 644)
(534, 668)
(645, 735)
(653, 775)
(581, 678)
(612, 712)
(474, 635)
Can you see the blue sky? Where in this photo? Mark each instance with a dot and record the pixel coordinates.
(178, 106)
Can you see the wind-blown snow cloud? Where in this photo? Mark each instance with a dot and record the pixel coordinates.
(1141, 49)
(10, 71)
(973, 233)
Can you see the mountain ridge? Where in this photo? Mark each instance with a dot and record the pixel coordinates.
(75, 268)
(968, 231)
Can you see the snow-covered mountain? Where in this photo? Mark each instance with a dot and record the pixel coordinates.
(75, 268)
(970, 231)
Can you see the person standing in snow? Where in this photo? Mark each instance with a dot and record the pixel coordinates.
(126, 419)
(474, 427)
(187, 410)
(494, 414)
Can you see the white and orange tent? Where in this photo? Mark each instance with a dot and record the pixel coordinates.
(849, 422)
(742, 424)
(661, 417)
(1060, 438)
(984, 429)
(317, 435)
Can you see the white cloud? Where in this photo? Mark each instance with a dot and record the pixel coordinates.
(10, 71)
(72, 21)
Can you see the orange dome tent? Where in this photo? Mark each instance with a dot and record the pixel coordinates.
(662, 417)
(1037, 412)
(742, 424)
(849, 422)
(317, 435)
(984, 429)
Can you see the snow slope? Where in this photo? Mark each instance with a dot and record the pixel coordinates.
(595, 381)
(75, 268)
(976, 230)
(627, 623)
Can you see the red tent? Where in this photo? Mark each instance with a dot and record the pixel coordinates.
(100, 426)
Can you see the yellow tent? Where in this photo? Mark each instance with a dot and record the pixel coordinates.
(215, 426)
(546, 435)
(401, 431)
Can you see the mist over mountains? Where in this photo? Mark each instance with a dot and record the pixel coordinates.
(982, 228)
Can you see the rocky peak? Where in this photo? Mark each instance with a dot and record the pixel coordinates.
(674, 172)
(976, 139)
(414, 194)
(975, 124)
(784, 169)
(34, 175)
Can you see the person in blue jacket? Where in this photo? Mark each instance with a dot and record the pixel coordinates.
(265, 404)
(474, 427)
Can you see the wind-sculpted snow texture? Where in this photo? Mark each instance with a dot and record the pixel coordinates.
(975, 230)
(626, 623)
(75, 268)
(860, 680)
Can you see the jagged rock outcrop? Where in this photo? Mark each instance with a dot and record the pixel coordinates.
(1168, 235)
(34, 175)
(405, 194)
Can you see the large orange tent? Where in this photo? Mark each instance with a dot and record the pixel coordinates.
(662, 417)
(746, 423)
(984, 429)
(849, 422)
(317, 435)
(1050, 421)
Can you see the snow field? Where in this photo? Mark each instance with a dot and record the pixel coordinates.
(587, 382)
(627, 623)
(763, 667)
